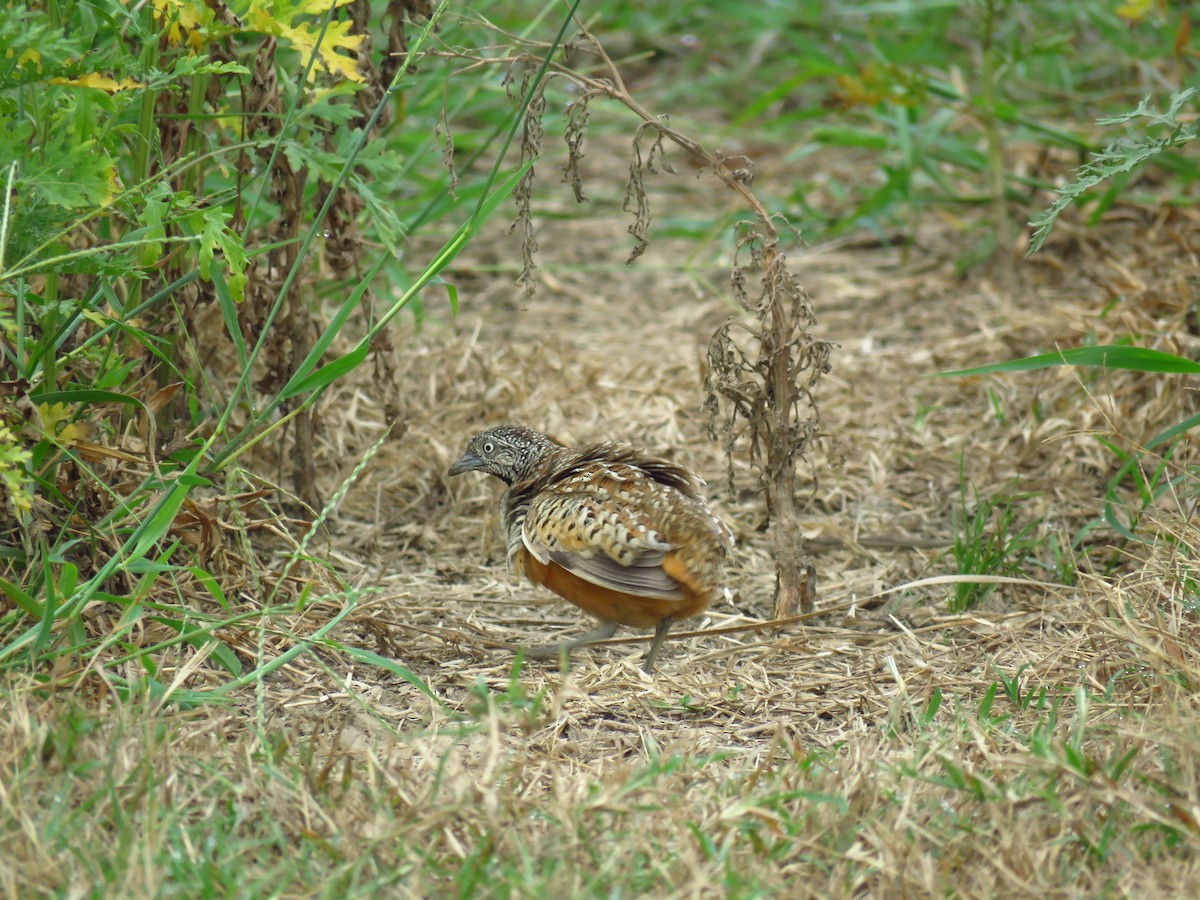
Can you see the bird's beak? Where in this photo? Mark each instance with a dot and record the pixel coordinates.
(468, 462)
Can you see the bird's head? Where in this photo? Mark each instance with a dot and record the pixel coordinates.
(510, 452)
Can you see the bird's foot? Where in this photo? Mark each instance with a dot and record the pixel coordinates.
(564, 648)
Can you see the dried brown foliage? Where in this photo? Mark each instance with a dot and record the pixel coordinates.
(637, 201)
(804, 758)
(761, 381)
(532, 133)
(755, 761)
(296, 324)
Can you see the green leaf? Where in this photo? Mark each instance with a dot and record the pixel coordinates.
(451, 294)
(328, 373)
(266, 668)
(300, 381)
(31, 607)
(71, 175)
(1134, 359)
(371, 658)
(233, 328)
(84, 395)
(152, 529)
(840, 136)
(49, 609)
(212, 585)
(156, 207)
(214, 235)
(200, 638)
(1123, 155)
(382, 212)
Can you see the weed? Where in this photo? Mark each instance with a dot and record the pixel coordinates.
(513, 704)
(992, 539)
(1125, 155)
(1151, 482)
(190, 703)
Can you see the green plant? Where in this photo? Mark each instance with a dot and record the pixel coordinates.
(187, 163)
(1149, 466)
(514, 703)
(1157, 134)
(992, 539)
(938, 95)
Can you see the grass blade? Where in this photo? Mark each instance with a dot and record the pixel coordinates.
(1133, 359)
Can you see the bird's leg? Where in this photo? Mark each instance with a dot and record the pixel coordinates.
(552, 651)
(660, 634)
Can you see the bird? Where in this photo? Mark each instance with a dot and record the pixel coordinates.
(624, 535)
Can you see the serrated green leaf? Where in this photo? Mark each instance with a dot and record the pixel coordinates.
(215, 234)
(1127, 153)
(71, 174)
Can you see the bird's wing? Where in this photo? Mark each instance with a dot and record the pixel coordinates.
(601, 525)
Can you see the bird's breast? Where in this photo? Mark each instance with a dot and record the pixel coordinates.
(606, 604)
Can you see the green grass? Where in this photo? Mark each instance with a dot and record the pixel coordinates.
(87, 395)
(993, 538)
(938, 95)
(989, 776)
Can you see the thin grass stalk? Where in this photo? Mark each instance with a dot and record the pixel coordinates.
(991, 127)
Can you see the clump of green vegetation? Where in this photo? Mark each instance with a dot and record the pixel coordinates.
(993, 538)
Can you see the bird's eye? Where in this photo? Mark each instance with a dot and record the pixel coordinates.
(489, 448)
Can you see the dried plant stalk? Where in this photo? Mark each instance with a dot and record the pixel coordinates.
(762, 392)
(766, 389)
(532, 133)
(768, 393)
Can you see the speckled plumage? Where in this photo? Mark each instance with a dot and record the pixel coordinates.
(623, 535)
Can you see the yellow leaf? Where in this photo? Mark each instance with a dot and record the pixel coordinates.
(72, 433)
(28, 56)
(99, 82)
(13, 476)
(96, 318)
(56, 425)
(115, 185)
(303, 36)
(189, 16)
(318, 7)
(1135, 10)
(51, 414)
(184, 15)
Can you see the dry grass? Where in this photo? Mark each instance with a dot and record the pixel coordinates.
(1045, 743)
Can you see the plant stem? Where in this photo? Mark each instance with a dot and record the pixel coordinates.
(991, 127)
